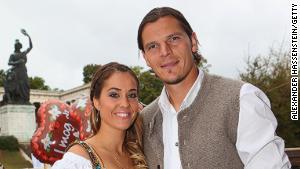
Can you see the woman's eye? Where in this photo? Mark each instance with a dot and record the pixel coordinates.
(132, 95)
(114, 95)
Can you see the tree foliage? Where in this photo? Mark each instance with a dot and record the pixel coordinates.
(38, 83)
(150, 85)
(9, 143)
(88, 71)
(34, 82)
(272, 75)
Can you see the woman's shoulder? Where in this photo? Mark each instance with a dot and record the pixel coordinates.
(75, 158)
(72, 161)
(79, 150)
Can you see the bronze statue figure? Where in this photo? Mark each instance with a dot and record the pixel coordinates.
(16, 84)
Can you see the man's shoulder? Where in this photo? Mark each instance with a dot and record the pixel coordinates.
(224, 81)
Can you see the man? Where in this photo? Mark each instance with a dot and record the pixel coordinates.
(201, 121)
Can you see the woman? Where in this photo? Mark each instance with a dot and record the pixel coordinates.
(17, 85)
(116, 124)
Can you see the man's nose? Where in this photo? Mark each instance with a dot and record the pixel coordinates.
(165, 49)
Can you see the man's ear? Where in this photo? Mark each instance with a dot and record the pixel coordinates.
(194, 42)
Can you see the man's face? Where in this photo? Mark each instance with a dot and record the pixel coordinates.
(168, 49)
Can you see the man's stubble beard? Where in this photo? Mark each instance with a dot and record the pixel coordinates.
(174, 82)
(179, 79)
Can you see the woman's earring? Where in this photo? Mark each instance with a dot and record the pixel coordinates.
(97, 115)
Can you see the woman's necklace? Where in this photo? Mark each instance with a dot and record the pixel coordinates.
(115, 157)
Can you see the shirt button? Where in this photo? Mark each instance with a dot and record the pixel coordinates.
(176, 144)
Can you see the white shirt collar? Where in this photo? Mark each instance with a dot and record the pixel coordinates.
(166, 106)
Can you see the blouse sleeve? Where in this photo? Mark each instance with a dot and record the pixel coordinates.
(72, 161)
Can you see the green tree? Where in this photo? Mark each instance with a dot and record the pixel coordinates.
(34, 82)
(271, 74)
(88, 71)
(137, 70)
(38, 83)
(150, 85)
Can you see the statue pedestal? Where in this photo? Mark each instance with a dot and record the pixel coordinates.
(18, 120)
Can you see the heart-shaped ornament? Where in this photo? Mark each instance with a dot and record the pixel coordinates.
(58, 127)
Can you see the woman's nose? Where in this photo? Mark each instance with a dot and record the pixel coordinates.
(124, 102)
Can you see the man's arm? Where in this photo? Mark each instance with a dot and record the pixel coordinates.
(257, 143)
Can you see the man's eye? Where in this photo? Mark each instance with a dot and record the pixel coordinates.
(174, 38)
(132, 95)
(152, 46)
(114, 95)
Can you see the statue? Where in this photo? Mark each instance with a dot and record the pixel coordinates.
(16, 84)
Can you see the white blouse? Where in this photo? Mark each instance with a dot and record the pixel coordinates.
(72, 161)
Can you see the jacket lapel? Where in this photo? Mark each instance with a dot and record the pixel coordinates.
(155, 135)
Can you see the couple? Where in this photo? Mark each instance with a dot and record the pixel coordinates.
(199, 121)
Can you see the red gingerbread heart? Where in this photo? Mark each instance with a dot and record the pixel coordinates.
(58, 127)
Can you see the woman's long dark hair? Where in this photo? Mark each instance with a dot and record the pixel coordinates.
(133, 138)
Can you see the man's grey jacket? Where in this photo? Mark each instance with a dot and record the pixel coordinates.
(207, 129)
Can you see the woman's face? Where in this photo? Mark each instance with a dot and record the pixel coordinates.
(118, 101)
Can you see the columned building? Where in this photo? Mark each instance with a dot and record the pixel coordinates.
(37, 97)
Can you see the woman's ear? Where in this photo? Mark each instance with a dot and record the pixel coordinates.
(96, 104)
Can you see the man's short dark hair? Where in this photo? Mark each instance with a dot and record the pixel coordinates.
(160, 12)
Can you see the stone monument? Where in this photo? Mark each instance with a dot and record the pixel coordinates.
(17, 115)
